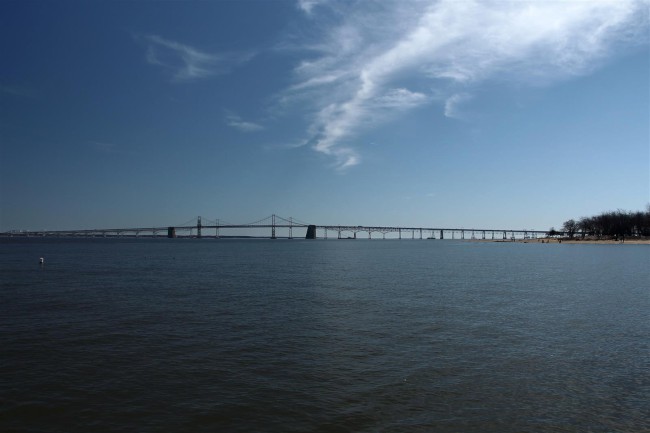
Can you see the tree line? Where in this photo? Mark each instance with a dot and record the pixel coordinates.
(615, 224)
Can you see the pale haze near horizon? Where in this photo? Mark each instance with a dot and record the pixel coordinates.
(415, 113)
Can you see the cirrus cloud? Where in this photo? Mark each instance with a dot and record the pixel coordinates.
(187, 63)
(375, 59)
(242, 125)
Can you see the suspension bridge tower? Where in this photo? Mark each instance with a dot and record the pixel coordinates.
(273, 227)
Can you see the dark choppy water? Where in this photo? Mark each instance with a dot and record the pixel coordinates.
(323, 336)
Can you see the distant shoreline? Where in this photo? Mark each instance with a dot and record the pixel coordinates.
(634, 241)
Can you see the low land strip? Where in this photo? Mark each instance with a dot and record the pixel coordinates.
(627, 241)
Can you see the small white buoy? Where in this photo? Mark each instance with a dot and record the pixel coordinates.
(41, 260)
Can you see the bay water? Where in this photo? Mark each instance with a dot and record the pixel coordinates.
(243, 335)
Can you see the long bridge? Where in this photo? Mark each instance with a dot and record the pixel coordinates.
(278, 225)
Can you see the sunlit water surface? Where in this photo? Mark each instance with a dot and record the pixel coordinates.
(323, 336)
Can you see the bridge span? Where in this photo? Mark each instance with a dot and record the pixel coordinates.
(284, 228)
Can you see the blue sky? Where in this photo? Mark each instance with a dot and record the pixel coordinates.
(420, 113)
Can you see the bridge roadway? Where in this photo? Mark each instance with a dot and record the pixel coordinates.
(403, 232)
(197, 231)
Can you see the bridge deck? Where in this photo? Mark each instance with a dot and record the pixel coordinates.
(153, 231)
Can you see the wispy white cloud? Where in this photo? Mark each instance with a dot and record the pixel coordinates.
(242, 125)
(186, 63)
(378, 57)
(401, 99)
(308, 5)
(453, 103)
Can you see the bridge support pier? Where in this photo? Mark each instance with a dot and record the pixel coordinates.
(171, 232)
(273, 227)
(442, 236)
(311, 232)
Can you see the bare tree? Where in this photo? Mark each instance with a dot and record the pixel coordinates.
(570, 227)
(616, 224)
(585, 225)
